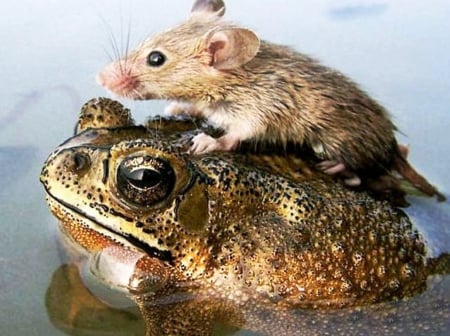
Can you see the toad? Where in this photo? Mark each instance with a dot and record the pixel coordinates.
(242, 227)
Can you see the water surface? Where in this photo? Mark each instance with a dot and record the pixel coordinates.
(397, 50)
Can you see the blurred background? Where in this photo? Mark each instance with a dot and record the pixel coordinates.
(397, 50)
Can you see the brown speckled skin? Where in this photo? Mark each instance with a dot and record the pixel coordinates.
(233, 223)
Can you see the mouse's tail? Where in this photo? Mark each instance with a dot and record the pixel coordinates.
(402, 166)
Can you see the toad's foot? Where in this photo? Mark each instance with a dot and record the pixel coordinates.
(332, 167)
(203, 143)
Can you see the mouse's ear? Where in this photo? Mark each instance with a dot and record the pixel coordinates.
(231, 48)
(203, 7)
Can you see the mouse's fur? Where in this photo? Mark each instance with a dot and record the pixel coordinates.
(260, 91)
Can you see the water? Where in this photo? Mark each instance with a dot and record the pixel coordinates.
(51, 50)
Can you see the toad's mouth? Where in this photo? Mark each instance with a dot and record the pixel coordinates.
(64, 211)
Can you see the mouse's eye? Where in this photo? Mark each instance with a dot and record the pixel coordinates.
(156, 59)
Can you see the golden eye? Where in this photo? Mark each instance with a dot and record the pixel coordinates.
(145, 180)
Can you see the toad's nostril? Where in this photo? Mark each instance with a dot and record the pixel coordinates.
(81, 162)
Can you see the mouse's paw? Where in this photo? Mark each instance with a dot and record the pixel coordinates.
(176, 108)
(332, 167)
(203, 143)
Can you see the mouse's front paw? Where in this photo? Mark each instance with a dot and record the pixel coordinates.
(203, 143)
(176, 108)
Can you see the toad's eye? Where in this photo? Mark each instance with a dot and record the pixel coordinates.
(145, 181)
(156, 59)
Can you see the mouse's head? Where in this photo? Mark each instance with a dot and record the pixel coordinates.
(184, 62)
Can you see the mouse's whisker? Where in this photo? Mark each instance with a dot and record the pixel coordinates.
(108, 54)
(114, 54)
(125, 39)
(136, 54)
(122, 38)
(128, 40)
(138, 94)
(115, 48)
(112, 39)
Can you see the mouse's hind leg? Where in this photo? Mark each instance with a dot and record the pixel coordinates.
(332, 167)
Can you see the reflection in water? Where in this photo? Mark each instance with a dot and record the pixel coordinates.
(357, 11)
(30, 99)
(434, 222)
(15, 162)
(74, 310)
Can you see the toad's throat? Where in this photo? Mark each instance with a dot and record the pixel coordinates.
(151, 251)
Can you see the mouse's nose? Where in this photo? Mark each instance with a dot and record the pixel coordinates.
(120, 80)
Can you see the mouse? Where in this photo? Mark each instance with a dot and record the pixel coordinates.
(259, 91)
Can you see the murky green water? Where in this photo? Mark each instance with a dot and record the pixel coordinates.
(397, 50)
